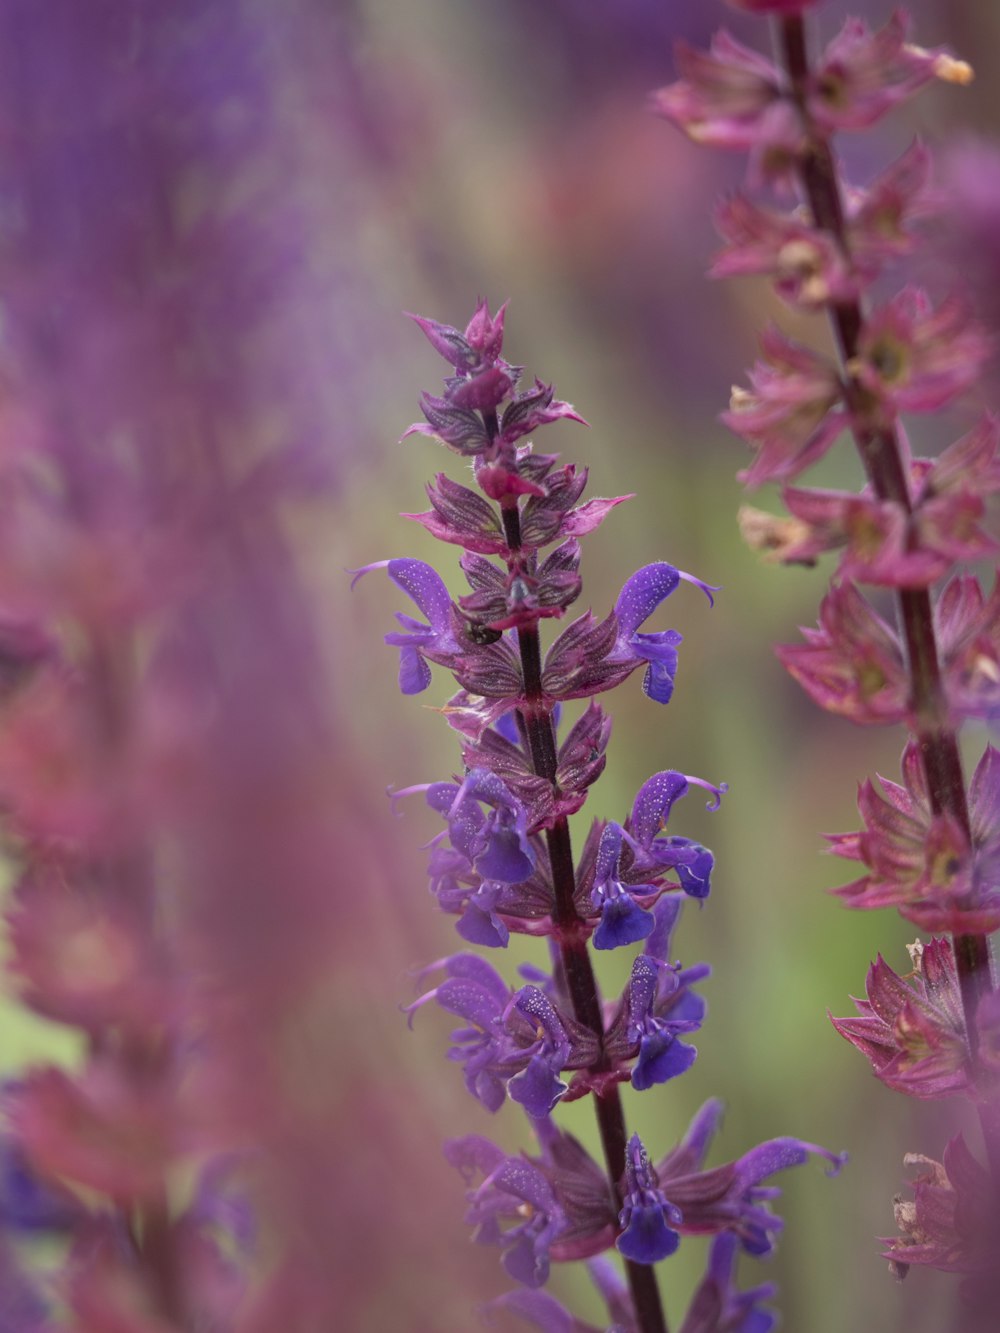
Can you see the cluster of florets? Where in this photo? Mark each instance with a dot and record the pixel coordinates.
(929, 846)
(502, 863)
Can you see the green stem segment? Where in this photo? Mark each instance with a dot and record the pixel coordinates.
(536, 718)
(879, 448)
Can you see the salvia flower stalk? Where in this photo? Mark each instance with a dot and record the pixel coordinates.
(163, 735)
(504, 863)
(929, 842)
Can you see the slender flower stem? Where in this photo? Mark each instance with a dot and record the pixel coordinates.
(160, 1260)
(879, 448)
(536, 717)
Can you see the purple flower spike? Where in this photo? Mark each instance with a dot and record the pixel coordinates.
(623, 921)
(637, 601)
(646, 1238)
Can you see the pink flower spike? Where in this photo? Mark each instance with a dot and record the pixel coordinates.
(923, 863)
(786, 413)
(883, 543)
(913, 1034)
(862, 75)
(915, 358)
(809, 268)
(948, 1225)
(968, 626)
(879, 218)
(80, 957)
(722, 95)
(99, 1130)
(852, 664)
(873, 533)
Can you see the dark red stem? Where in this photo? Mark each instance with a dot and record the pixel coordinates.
(882, 458)
(536, 716)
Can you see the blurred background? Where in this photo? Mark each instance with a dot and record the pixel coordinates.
(441, 150)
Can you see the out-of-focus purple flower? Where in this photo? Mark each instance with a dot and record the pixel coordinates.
(539, 1309)
(853, 663)
(29, 1204)
(99, 1130)
(22, 1309)
(79, 956)
(914, 1034)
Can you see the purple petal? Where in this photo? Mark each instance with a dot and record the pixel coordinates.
(653, 802)
(505, 858)
(482, 927)
(661, 1058)
(623, 921)
(608, 852)
(665, 915)
(647, 1239)
(423, 585)
(643, 593)
(660, 651)
(414, 673)
(537, 1088)
(468, 1000)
